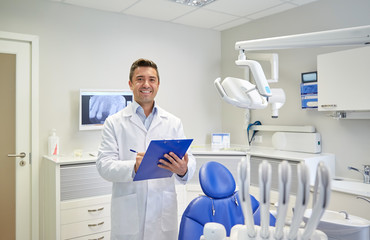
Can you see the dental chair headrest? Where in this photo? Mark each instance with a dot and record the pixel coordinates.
(216, 180)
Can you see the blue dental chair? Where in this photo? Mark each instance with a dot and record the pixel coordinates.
(220, 203)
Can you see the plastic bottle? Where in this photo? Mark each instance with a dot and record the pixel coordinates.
(53, 143)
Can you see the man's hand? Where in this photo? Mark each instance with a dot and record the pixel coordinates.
(175, 164)
(139, 158)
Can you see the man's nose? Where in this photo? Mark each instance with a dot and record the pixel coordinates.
(146, 82)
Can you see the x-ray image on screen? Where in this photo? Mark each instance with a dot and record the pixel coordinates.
(96, 106)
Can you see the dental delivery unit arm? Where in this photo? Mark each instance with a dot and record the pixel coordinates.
(321, 196)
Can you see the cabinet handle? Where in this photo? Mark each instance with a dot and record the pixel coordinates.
(96, 238)
(96, 225)
(96, 210)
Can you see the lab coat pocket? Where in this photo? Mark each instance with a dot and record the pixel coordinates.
(125, 216)
(169, 211)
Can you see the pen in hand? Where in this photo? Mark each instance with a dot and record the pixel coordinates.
(132, 150)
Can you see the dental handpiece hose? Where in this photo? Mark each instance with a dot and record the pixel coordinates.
(243, 181)
(265, 186)
(303, 195)
(320, 201)
(285, 173)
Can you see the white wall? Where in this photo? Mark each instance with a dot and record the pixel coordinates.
(86, 48)
(349, 140)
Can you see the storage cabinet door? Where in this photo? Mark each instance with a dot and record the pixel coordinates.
(344, 80)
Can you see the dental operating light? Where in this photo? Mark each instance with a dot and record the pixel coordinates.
(250, 96)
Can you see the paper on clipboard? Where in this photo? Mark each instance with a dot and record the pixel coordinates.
(148, 168)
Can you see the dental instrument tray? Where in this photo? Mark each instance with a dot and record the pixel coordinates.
(149, 169)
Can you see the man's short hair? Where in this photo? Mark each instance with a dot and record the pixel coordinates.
(142, 62)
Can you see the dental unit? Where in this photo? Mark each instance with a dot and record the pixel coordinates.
(321, 196)
(243, 94)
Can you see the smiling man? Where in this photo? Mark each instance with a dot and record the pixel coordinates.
(142, 210)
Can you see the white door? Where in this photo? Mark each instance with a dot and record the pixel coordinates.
(15, 142)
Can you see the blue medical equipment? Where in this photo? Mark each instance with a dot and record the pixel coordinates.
(220, 204)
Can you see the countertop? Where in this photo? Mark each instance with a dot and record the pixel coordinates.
(66, 159)
(259, 152)
(349, 186)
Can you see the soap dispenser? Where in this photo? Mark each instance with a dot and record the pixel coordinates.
(53, 143)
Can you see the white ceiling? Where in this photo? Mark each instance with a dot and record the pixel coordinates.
(218, 15)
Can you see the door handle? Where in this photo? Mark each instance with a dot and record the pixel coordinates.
(21, 155)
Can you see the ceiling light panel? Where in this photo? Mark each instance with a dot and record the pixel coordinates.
(196, 3)
(163, 10)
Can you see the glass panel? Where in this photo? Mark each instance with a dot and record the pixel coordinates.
(7, 145)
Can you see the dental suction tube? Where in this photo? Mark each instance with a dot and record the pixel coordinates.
(264, 171)
(285, 175)
(245, 200)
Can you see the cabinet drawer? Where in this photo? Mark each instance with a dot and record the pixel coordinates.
(74, 230)
(99, 236)
(85, 213)
(81, 181)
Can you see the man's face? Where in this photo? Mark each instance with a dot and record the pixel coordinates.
(144, 85)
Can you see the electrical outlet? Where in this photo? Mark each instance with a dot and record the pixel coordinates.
(257, 139)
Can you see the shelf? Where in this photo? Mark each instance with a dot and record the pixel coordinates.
(277, 128)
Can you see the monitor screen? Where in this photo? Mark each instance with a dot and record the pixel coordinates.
(97, 105)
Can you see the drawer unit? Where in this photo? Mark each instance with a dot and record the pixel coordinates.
(76, 200)
(98, 236)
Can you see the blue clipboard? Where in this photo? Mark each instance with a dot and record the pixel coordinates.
(148, 168)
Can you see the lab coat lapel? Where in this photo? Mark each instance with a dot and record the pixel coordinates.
(157, 120)
(134, 118)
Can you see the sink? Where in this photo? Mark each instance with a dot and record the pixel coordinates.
(337, 227)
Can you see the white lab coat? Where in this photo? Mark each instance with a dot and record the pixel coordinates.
(140, 210)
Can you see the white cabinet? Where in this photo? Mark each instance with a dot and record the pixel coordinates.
(344, 80)
(76, 200)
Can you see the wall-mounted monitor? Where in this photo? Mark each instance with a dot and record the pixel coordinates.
(97, 104)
